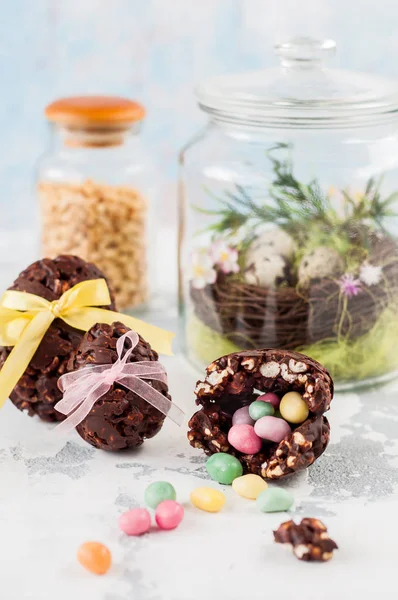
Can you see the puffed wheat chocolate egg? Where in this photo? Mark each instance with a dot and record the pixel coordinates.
(279, 445)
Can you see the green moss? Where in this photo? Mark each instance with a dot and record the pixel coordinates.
(371, 355)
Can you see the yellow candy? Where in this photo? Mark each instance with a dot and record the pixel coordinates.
(249, 486)
(207, 499)
(293, 408)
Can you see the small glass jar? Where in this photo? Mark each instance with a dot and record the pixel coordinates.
(96, 187)
(289, 217)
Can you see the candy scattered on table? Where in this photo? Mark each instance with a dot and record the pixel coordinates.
(95, 557)
(249, 486)
(242, 417)
(243, 438)
(169, 514)
(274, 499)
(309, 539)
(135, 522)
(157, 492)
(271, 398)
(272, 429)
(293, 408)
(260, 409)
(207, 499)
(224, 468)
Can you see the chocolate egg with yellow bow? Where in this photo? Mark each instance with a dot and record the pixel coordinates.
(36, 392)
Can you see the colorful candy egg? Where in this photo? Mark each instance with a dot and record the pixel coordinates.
(260, 409)
(274, 499)
(135, 522)
(271, 398)
(293, 408)
(157, 492)
(169, 514)
(95, 557)
(249, 486)
(224, 468)
(207, 499)
(242, 417)
(243, 438)
(272, 429)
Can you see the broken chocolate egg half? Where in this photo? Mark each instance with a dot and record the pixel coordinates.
(233, 381)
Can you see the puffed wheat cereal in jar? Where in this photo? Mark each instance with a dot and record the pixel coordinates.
(94, 189)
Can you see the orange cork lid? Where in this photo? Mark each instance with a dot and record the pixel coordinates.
(94, 111)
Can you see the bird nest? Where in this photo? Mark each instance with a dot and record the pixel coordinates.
(290, 317)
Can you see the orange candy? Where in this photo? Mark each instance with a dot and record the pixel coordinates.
(95, 557)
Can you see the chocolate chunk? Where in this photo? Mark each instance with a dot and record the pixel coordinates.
(120, 419)
(309, 539)
(36, 392)
(230, 383)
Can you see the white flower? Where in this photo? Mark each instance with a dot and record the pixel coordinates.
(225, 257)
(370, 274)
(203, 272)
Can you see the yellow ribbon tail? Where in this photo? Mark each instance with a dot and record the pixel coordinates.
(160, 339)
(21, 355)
(12, 324)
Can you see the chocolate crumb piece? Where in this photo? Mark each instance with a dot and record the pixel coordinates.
(36, 392)
(120, 419)
(232, 381)
(309, 539)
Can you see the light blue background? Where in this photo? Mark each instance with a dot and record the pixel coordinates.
(155, 51)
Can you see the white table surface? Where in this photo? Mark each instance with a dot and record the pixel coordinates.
(58, 492)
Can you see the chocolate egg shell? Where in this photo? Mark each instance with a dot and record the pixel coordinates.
(229, 384)
(36, 392)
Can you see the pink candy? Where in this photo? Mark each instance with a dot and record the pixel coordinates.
(271, 398)
(242, 417)
(243, 438)
(169, 514)
(271, 429)
(135, 522)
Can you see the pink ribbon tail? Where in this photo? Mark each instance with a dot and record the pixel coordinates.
(83, 388)
(72, 405)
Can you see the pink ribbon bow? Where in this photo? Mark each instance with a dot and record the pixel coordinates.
(84, 387)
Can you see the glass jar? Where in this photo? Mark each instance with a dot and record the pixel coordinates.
(95, 188)
(288, 217)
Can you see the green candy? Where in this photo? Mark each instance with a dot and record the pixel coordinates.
(224, 468)
(261, 409)
(158, 491)
(274, 499)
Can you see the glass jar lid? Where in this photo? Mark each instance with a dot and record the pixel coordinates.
(302, 92)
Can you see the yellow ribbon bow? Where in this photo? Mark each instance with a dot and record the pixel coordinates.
(25, 318)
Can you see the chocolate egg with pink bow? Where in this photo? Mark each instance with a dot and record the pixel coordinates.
(120, 418)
